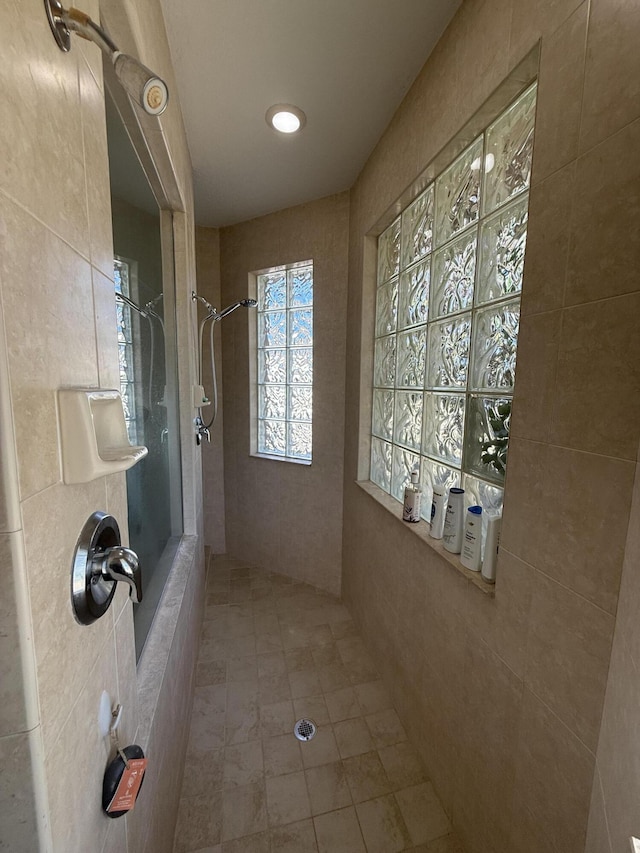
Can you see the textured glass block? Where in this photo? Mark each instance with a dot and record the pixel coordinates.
(407, 423)
(272, 437)
(300, 287)
(448, 358)
(381, 464)
(301, 328)
(299, 440)
(486, 495)
(509, 151)
(384, 365)
(458, 193)
(502, 242)
(404, 462)
(300, 403)
(301, 366)
(272, 365)
(272, 329)
(487, 436)
(417, 228)
(387, 308)
(410, 360)
(454, 269)
(495, 341)
(272, 401)
(382, 417)
(389, 252)
(272, 291)
(434, 473)
(413, 298)
(444, 427)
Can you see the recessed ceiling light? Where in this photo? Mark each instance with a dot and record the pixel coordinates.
(285, 118)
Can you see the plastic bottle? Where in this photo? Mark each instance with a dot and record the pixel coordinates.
(471, 556)
(491, 545)
(412, 495)
(454, 518)
(438, 510)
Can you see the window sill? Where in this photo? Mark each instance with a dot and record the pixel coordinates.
(421, 530)
(275, 458)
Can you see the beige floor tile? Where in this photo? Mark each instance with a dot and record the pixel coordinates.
(199, 822)
(339, 832)
(281, 755)
(211, 672)
(382, 826)
(366, 777)
(313, 708)
(287, 799)
(402, 765)
(373, 696)
(386, 728)
(297, 660)
(259, 843)
(295, 838)
(340, 630)
(243, 764)
(328, 788)
(244, 811)
(333, 677)
(271, 664)
(423, 815)
(203, 773)
(242, 724)
(448, 844)
(242, 669)
(303, 683)
(353, 737)
(274, 688)
(321, 750)
(206, 732)
(276, 719)
(342, 704)
(266, 643)
(327, 655)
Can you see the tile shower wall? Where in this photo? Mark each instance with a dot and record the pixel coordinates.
(281, 514)
(507, 693)
(57, 329)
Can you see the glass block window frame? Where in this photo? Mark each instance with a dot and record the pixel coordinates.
(124, 272)
(449, 278)
(284, 371)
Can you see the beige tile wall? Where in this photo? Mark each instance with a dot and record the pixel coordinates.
(282, 515)
(505, 696)
(58, 329)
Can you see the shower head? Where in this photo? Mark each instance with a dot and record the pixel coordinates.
(132, 304)
(244, 303)
(137, 80)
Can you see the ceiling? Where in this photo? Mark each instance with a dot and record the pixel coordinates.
(346, 63)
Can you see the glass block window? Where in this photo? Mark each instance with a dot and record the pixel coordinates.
(285, 361)
(122, 279)
(447, 314)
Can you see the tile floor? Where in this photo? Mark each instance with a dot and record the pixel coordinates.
(273, 651)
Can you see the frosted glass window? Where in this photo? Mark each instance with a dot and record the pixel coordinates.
(449, 279)
(285, 362)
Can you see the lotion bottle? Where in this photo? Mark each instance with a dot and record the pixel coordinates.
(412, 495)
(492, 542)
(471, 556)
(453, 522)
(438, 510)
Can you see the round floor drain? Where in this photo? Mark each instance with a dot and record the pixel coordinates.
(304, 729)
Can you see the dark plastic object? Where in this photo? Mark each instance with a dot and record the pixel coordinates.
(112, 776)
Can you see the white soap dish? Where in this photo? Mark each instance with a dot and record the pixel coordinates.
(93, 435)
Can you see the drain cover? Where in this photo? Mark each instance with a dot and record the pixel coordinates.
(304, 729)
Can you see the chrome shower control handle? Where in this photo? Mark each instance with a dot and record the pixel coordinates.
(122, 564)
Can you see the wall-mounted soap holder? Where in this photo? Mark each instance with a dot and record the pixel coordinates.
(93, 435)
(99, 562)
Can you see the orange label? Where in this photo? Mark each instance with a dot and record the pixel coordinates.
(124, 798)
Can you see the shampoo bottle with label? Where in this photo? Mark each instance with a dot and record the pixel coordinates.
(453, 522)
(471, 556)
(438, 510)
(412, 495)
(494, 523)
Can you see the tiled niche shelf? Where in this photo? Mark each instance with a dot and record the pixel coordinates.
(421, 530)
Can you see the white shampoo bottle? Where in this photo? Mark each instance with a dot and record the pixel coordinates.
(412, 495)
(438, 510)
(454, 519)
(491, 545)
(471, 556)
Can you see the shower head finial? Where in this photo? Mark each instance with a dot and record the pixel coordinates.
(138, 81)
